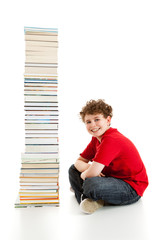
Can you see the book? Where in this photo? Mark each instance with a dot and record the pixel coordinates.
(41, 135)
(35, 180)
(41, 44)
(40, 79)
(41, 113)
(41, 93)
(39, 175)
(40, 165)
(39, 191)
(39, 201)
(53, 186)
(41, 104)
(41, 37)
(40, 108)
(39, 126)
(40, 98)
(41, 121)
(33, 117)
(38, 156)
(41, 131)
(41, 88)
(41, 170)
(39, 59)
(41, 84)
(38, 76)
(41, 65)
(42, 51)
(42, 140)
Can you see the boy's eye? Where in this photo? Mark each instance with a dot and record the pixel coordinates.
(88, 122)
(97, 119)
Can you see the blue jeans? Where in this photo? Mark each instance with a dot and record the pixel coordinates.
(112, 190)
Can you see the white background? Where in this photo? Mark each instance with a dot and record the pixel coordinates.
(108, 50)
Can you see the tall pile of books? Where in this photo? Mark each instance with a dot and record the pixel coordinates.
(39, 175)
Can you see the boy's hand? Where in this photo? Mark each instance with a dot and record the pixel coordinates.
(101, 175)
(95, 170)
(83, 175)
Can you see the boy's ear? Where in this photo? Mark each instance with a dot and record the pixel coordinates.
(109, 120)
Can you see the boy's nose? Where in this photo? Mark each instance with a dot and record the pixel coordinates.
(93, 124)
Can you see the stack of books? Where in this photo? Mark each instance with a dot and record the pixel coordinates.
(39, 176)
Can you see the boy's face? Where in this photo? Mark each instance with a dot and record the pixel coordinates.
(97, 125)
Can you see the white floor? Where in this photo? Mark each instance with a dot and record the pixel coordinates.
(134, 222)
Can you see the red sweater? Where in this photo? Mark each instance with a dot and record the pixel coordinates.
(120, 157)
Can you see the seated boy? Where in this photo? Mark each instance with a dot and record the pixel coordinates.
(110, 169)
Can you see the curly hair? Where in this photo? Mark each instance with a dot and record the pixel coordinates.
(94, 107)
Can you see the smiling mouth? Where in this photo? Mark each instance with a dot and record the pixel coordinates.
(95, 130)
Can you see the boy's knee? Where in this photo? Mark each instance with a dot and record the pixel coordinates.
(90, 186)
(89, 182)
(71, 169)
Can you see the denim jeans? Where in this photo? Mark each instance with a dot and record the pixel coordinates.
(112, 190)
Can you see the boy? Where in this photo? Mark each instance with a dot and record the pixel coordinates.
(110, 169)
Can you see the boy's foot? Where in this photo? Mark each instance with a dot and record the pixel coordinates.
(89, 206)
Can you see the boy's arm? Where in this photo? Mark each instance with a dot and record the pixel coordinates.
(94, 170)
(82, 164)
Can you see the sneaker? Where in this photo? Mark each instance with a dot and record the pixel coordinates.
(89, 206)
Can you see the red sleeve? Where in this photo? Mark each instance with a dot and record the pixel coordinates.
(107, 151)
(90, 151)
